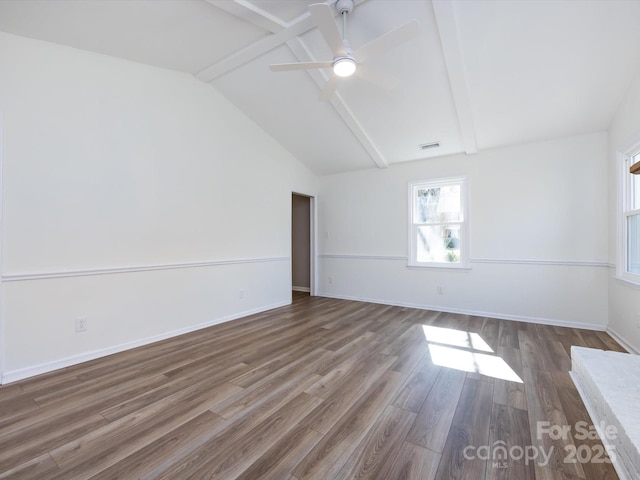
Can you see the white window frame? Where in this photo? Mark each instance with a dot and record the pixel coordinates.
(463, 181)
(625, 182)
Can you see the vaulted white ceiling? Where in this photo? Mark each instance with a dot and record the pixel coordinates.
(481, 74)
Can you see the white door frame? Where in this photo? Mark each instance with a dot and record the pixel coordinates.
(2, 327)
(313, 242)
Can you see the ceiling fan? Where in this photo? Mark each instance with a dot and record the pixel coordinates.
(345, 61)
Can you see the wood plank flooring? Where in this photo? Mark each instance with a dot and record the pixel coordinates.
(321, 389)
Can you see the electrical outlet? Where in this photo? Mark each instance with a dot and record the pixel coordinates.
(81, 324)
(330, 280)
(440, 290)
(241, 294)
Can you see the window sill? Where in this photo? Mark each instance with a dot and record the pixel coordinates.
(630, 282)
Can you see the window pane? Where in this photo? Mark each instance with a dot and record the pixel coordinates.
(633, 244)
(438, 205)
(439, 243)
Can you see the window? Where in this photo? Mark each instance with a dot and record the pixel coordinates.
(438, 223)
(630, 252)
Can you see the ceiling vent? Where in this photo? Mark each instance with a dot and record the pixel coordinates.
(427, 146)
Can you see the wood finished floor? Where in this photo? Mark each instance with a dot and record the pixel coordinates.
(324, 388)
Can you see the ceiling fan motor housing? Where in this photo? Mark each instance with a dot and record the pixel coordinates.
(344, 6)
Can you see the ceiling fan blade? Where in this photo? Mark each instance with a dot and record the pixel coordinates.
(389, 40)
(323, 18)
(330, 87)
(380, 79)
(285, 67)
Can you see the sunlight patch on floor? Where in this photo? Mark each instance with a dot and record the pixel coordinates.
(455, 338)
(465, 351)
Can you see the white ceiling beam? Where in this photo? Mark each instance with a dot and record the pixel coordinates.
(358, 130)
(250, 13)
(320, 78)
(454, 61)
(284, 33)
(297, 27)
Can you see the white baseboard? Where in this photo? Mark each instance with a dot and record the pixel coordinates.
(499, 316)
(621, 341)
(22, 373)
(301, 289)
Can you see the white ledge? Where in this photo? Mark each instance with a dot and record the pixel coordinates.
(608, 384)
(364, 257)
(521, 261)
(19, 277)
(499, 261)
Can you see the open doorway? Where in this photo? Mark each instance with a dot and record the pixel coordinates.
(302, 244)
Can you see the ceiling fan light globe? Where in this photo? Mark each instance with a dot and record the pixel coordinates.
(344, 67)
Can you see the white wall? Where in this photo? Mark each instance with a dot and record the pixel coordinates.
(538, 219)
(136, 197)
(141, 199)
(624, 298)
